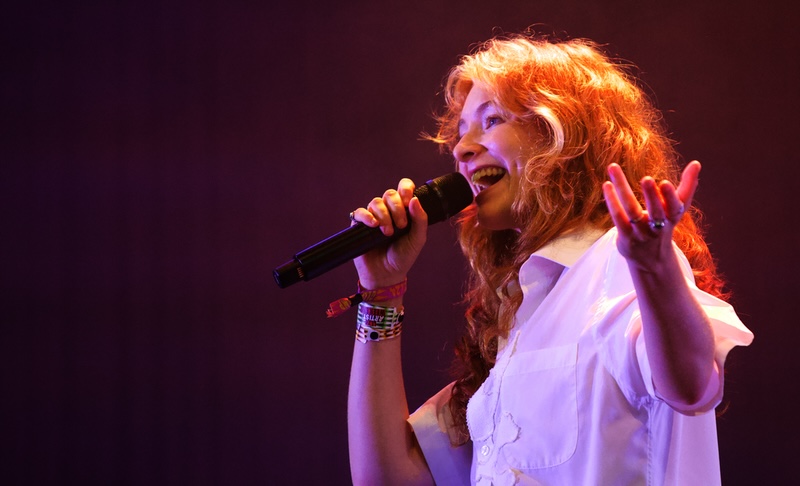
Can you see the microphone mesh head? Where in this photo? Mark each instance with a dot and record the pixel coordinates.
(444, 196)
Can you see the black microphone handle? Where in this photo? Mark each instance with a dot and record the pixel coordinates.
(340, 248)
(440, 198)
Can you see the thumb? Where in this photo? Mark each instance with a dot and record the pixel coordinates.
(419, 229)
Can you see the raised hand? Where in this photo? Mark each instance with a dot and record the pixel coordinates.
(645, 235)
(389, 265)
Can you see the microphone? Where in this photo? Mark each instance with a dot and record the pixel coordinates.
(441, 198)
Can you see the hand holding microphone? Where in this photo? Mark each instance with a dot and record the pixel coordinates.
(440, 199)
(397, 210)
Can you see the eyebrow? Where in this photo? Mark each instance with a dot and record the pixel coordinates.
(479, 112)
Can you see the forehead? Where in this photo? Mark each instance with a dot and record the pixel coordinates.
(477, 100)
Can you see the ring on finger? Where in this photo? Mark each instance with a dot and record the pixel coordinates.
(352, 215)
(657, 224)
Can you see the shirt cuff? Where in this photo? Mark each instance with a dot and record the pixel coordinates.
(448, 464)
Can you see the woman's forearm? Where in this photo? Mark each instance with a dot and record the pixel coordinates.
(383, 449)
(678, 335)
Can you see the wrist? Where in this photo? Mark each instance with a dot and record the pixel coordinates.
(391, 295)
(657, 277)
(370, 282)
(387, 295)
(665, 265)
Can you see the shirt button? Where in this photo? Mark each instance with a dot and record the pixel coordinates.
(485, 450)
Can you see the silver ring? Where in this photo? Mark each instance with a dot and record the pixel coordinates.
(657, 224)
(352, 215)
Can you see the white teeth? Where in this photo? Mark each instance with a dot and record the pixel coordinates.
(486, 172)
(492, 173)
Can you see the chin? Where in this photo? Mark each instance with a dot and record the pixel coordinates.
(494, 222)
(494, 208)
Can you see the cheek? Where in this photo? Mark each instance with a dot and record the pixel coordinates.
(516, 171)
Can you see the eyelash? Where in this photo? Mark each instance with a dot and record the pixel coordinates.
(488, 123)
(492, 120)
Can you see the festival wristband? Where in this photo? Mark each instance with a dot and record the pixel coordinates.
(338, 307)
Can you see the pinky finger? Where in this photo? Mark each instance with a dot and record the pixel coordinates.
(362, 215)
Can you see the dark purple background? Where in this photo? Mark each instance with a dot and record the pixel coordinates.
(159, 161)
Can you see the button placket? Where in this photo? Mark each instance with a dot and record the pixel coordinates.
(485, 453)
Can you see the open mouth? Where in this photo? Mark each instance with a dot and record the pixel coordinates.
(487, 176)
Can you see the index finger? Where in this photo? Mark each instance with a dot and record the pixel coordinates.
(406, 190)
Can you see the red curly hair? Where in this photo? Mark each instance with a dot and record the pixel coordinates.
(595, 114)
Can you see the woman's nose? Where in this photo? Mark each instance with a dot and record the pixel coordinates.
(467, 148)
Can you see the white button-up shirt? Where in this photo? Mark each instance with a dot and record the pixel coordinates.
(570, 400)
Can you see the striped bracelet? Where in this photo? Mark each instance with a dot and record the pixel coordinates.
(377, 323)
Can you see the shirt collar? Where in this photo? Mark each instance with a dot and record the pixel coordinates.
(568, 248)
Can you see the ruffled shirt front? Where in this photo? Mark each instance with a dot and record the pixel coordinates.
(570, 399)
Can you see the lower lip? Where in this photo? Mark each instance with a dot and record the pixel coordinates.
(496, 183)
(481, 194)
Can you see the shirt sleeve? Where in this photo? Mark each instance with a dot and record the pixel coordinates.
(431, 422)
(623, 348)
(729, 331)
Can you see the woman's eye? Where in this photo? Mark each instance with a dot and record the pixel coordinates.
(493, 120)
